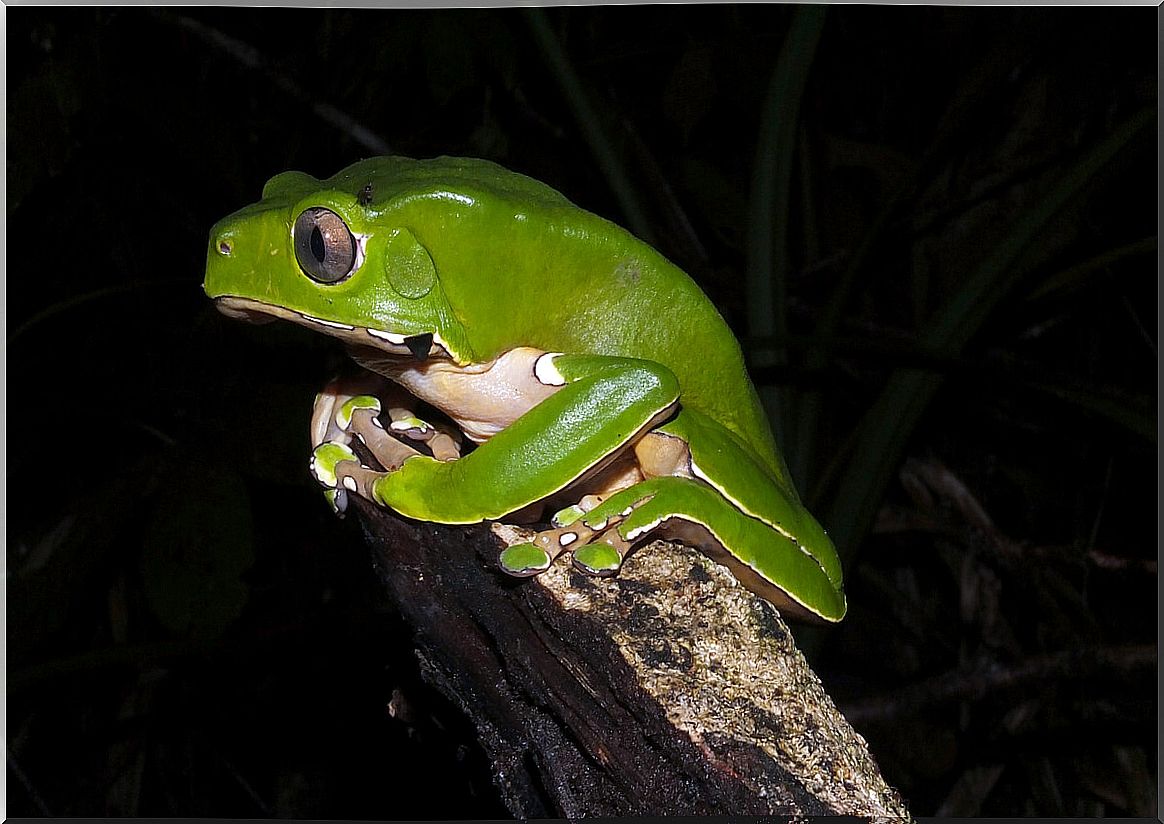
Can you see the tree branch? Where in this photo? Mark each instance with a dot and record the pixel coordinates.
(669, 689)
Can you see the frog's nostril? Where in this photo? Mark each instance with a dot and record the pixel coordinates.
(224, 248)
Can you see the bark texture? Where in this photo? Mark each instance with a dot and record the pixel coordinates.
(667, 690)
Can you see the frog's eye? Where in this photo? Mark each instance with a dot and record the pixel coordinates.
(324, 245)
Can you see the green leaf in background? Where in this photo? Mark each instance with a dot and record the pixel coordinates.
(591, 123)
(769, 204)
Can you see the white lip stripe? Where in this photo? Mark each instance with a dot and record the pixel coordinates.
(391, 337)
(330, 323)
(439, 341)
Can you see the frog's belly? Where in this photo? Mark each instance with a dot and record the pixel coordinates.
(481, 398)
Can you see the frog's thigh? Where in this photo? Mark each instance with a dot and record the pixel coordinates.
(604, 404)
(719, 458)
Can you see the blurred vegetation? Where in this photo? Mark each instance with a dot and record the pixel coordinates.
(933, 228)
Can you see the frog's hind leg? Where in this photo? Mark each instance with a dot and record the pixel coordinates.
(672, 501)
(691, 511)
(657, 455)
(597, 545)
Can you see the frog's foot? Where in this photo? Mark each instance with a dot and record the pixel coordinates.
(535, 557)
(337, 467)
(359, 418)
(602, 532)
(597, 549)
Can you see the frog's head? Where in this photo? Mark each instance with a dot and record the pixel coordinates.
(318, 255)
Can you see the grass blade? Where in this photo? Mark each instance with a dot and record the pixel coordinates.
(769, 205)
(590, 122)
(888, 424)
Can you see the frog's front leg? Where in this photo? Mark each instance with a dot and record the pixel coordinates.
(600, 406)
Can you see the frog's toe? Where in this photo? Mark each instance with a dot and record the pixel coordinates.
(333, 405)
(323, 428)
(524, 560)
(331, 465)
(603, 556)
(357, 403)
(337, 499)
(571, 514)
(597, 559)
(324, 460)
(407, 424)
(443, 441)
(389, 452)
(444, 446)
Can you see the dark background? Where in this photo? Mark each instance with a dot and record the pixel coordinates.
(965, 351)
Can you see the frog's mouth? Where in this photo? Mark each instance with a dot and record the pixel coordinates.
(420, 346)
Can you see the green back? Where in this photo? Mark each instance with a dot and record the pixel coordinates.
(521, 265)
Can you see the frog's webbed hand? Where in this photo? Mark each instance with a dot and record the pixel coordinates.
(349, 410)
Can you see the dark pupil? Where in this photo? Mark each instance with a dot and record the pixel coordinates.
(318, 250)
